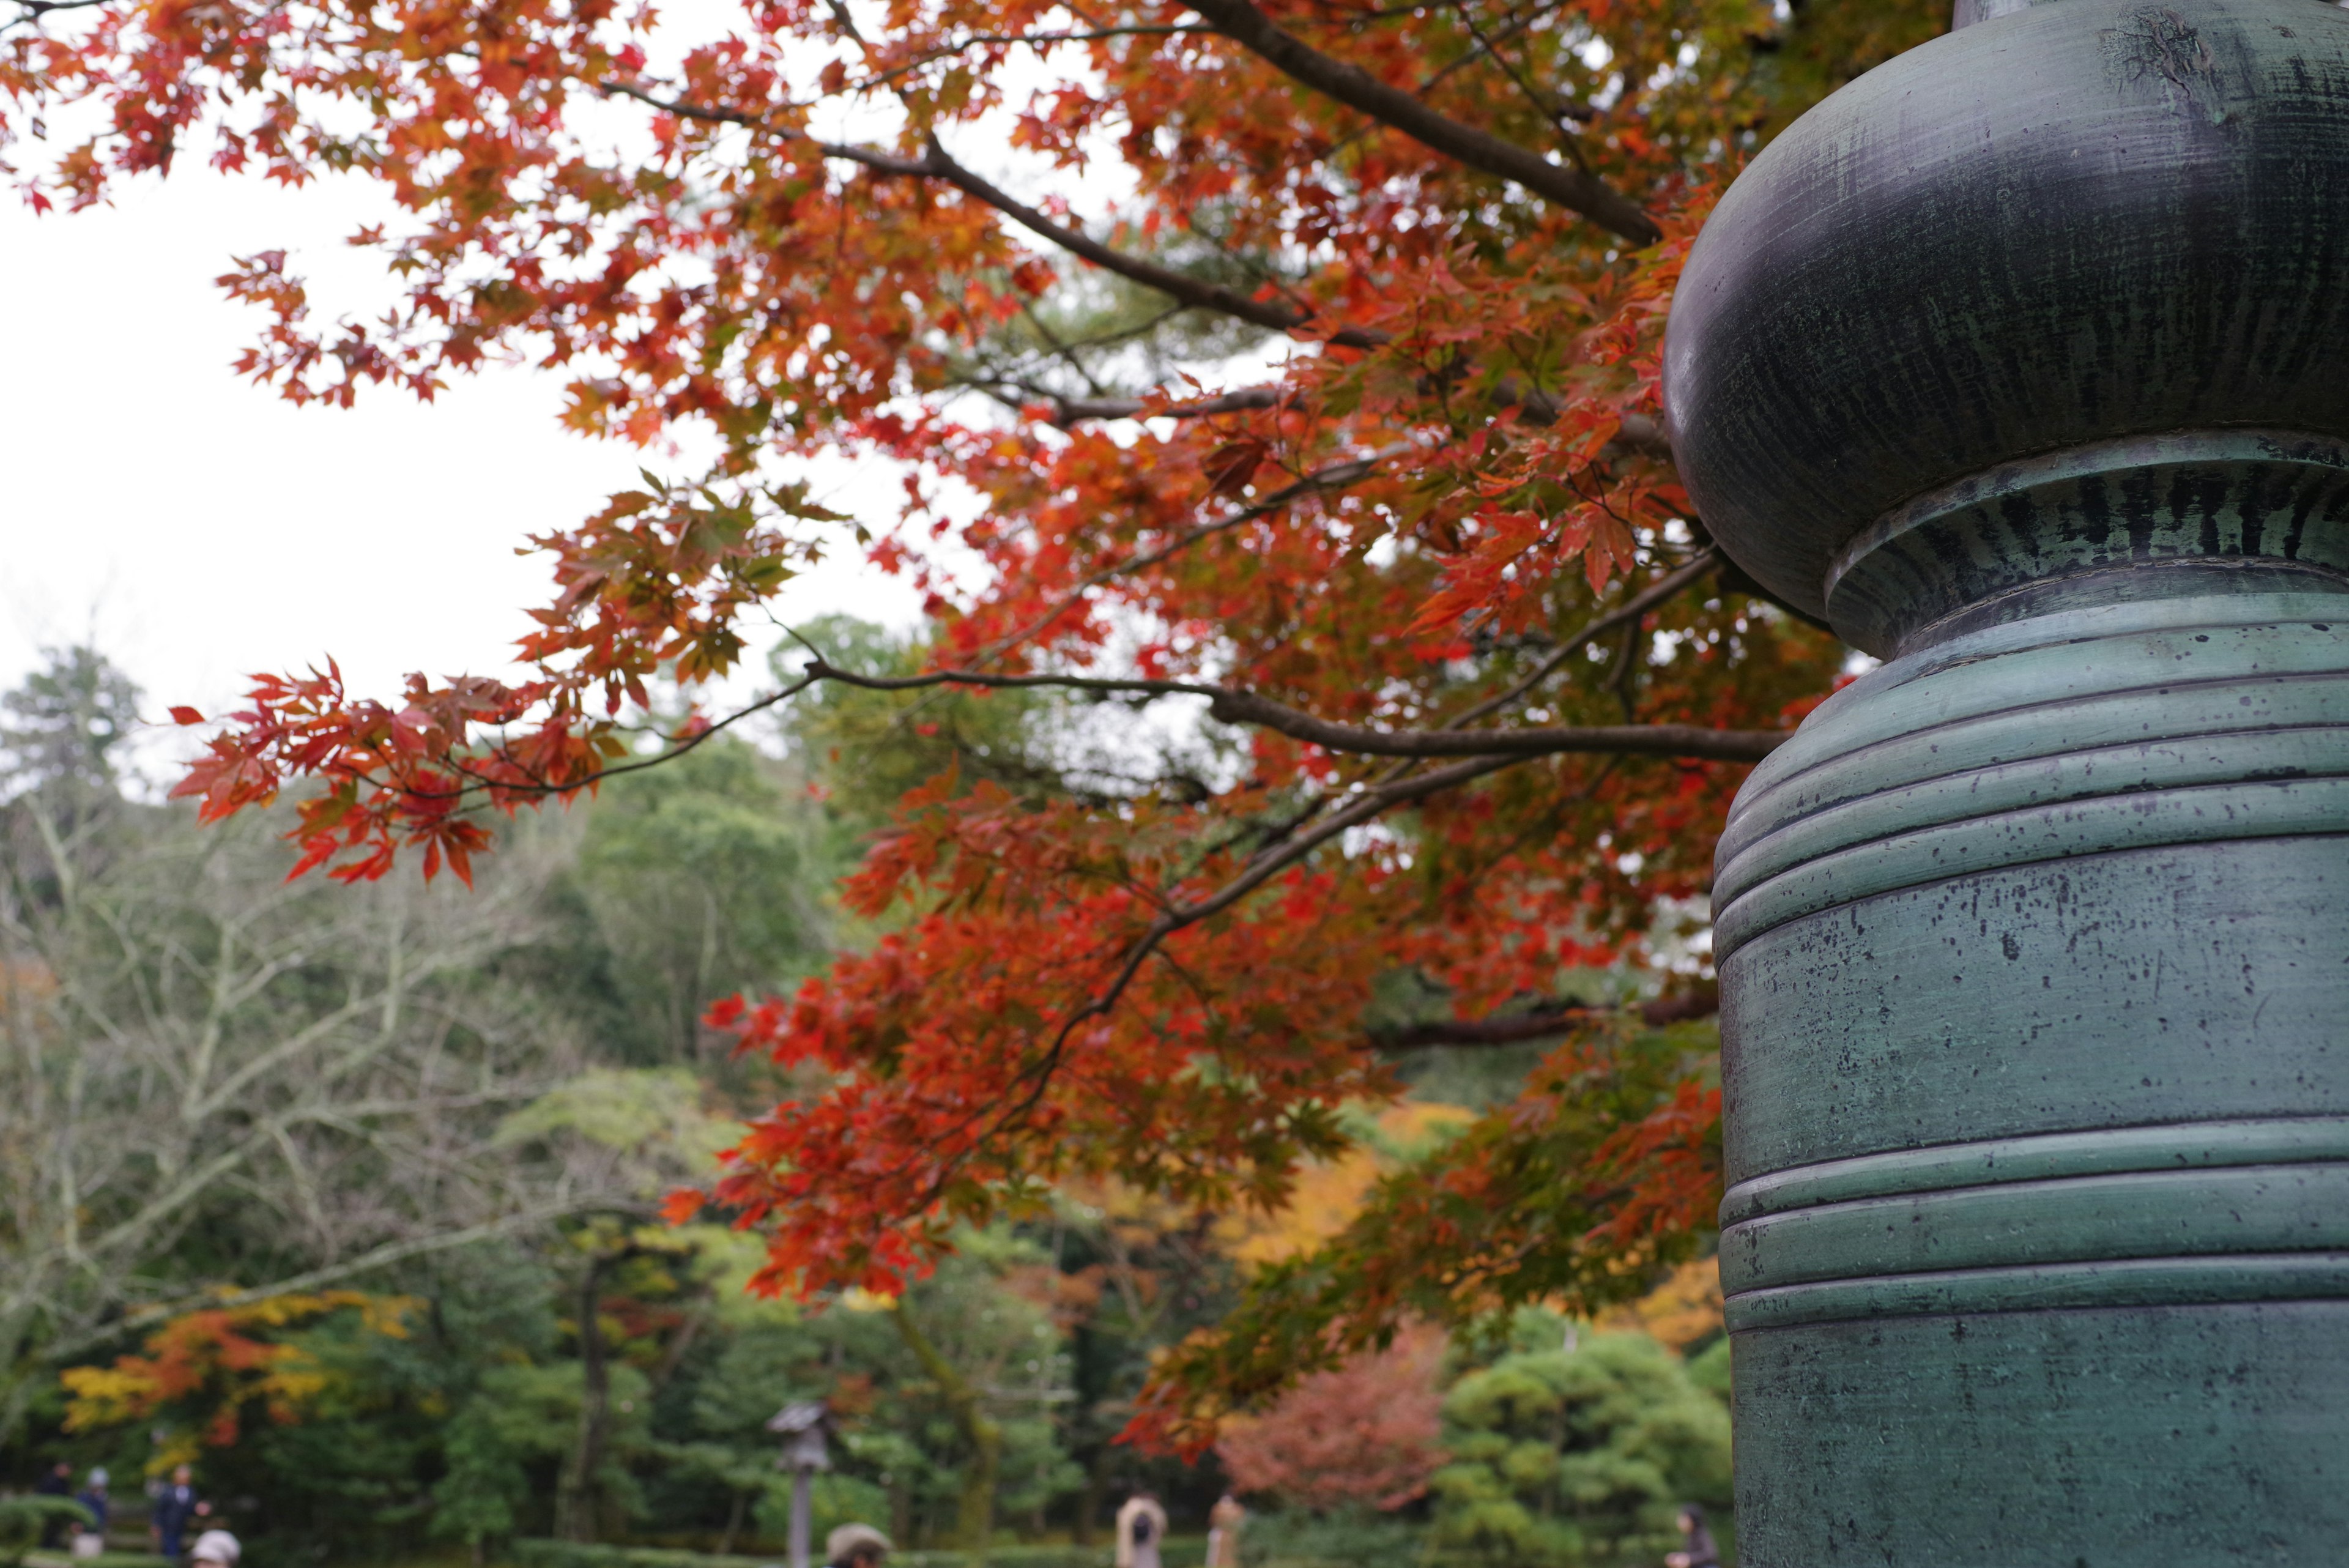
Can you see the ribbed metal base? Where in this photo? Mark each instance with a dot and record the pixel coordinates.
(2035, 957)
(2102, 1437)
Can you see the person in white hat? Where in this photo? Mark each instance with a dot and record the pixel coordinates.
(215, 1547)
(852, 1546)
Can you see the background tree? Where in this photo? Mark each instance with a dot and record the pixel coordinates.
(1575, 1456)
(1365, 1434)
(1329, 429)
(210, 1075)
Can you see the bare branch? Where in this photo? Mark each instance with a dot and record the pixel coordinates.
(1357, 89)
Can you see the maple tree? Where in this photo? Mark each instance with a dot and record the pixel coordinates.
(1291, 365)
(1368, 1432)
(215, 1364)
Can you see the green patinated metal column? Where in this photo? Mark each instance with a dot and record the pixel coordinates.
(2025, 361)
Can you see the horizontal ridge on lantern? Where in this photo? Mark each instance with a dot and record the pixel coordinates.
(2171, 722)
(2103, 1151)
(2253, 1209)
(2226, 1279)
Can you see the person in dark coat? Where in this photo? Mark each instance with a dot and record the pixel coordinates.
(57, 1483)
(175, 1505)
(94, 1498)
(1697, 1550)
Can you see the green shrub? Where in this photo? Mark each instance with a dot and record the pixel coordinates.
(1575, 1458)
(1353, 1537)
(1709, 1369)
(23, 1519)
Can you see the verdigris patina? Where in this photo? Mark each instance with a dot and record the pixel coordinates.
(2025, 361)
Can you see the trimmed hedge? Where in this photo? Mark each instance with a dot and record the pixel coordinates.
(1178, 1552)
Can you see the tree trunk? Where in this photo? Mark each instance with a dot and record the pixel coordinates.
(733, 1523)
(574, 1489)
(1088, 1508)
(975, 1508)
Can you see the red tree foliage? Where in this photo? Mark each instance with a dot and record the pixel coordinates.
(1295, 360)
(1366, 1433)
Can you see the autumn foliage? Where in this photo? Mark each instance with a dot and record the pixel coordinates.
(1368, 1432)
(1294, 364)
(218, 1366)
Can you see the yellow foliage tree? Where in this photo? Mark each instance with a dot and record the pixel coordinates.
(213, 1364)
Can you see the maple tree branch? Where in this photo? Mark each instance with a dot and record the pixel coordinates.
(1272, 315)
(1357, 89)
(936, 164)
(872, 158)
(1330, 478)
(1032, 40)
(1236, 707)
(1261, 869)
(1063, 350)
(1635, 433)
(1067, 411)
(1233, 706)
(1555, 1018)
(1517, 23)
(1569, 141)
(1631, 609)
(1511, 1030)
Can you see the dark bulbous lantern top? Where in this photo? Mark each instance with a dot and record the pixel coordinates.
(2064, 291)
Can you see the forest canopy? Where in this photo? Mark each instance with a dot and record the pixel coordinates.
(1324, 662)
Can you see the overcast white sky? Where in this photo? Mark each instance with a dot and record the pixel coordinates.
(198, 529)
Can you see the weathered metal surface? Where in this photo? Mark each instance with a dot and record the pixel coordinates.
(2025, 359)
(2115, 1438)
(2035, 957)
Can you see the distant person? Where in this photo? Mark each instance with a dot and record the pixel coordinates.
(1141, 1529)
(55, 1481)
(849, 1546)
(175, 1505)
(1697, 1548)
(214, 1548)
(95, 1498)
(1223, 1521)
